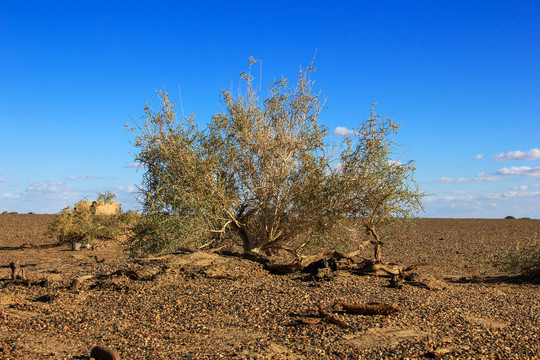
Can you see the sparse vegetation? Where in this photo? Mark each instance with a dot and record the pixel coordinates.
(524, 258)
(510, 217)
(263, 175)
(78, 223)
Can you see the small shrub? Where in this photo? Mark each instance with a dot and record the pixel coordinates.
(523, 259)
(510, 217)
(80, 224)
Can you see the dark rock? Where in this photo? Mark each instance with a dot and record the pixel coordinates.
(104, 353)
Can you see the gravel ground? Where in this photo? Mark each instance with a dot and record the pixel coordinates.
(206, 306)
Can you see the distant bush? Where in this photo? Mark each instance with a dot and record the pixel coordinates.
(80, 224)
(523, 259)
(509, 217)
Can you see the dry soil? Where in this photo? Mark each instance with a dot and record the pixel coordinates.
(205, 306)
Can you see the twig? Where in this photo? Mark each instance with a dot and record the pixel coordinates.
(329, 318)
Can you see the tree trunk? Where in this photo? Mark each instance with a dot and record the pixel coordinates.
(377, 253)
(246, 244)
(377, 242)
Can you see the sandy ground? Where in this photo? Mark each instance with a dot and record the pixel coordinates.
(206, 306)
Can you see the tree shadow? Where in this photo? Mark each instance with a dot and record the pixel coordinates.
(30, 246)
(500, 279)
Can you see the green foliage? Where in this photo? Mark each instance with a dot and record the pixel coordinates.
(523, 259)
(106, 197)
(262, 174)
(80, 224)
(371, 188)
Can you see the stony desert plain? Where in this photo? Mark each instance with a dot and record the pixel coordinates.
(203, 305)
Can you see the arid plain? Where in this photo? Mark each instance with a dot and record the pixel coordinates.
(203, 305)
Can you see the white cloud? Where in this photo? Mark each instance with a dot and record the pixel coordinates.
(445, 180)
(49, 187)
(533, 154)
(343, 131)
(133, 165)
(482, 197)
(42, 197)
(525, 171)
(478, 178)
(10, 196)
(515, 194)
(479, 156)
(2, 180)
(128, 189)
(82, 177)
(521, 201)
(488, 205)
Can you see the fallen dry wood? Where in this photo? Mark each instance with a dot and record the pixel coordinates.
(316, 316)
(329, 318)
(17, 272)
(332, 260)
(397, 281)
(327, 255)
(308, 321)
(76, 283)
(371, 308)
(373, 267)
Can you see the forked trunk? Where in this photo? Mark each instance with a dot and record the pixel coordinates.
(377, 242)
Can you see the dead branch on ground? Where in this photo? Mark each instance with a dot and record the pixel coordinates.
(17, 272)
(371, 308)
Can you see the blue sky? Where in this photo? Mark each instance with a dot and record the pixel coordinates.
(462, 77)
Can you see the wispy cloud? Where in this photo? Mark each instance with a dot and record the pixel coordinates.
(525, 171)
(526, 187)
(45, 197)
(533, 154)
(516, 194)
(478, 178)
(51, 196)
(133, 165)
(343, 131)
(479, 156)
(518, 203)
(128, 189)
(487, 196)
(83, 177)
(48, 188)
(2, 180)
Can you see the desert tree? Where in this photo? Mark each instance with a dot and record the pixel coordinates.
(262, 173)
(271, 158)
(375, 187)
(175, 192)
(256, 173)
